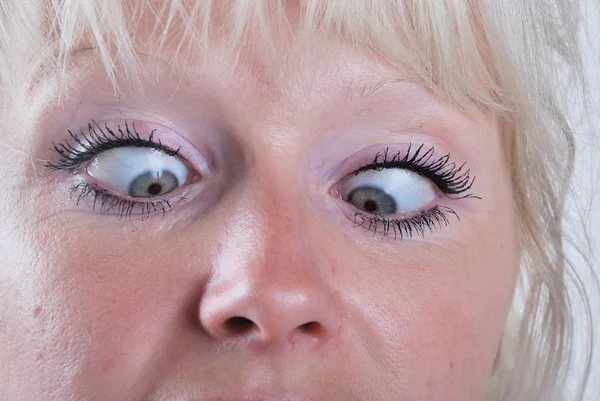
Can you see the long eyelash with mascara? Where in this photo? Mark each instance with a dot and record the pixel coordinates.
(406, 228)
(106, 203)
(84, 146)
(453, 180)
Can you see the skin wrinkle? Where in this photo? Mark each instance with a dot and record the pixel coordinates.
(134, 310)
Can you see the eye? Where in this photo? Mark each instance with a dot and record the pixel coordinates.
(388, 191)
(395, 192)
(139, 172)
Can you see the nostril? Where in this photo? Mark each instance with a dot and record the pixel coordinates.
(313, 328)
(239, 325)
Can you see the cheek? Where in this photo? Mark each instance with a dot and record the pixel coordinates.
(91, 305)
(434, 314)
(134, 298)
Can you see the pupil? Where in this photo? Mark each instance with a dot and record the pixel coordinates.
(370, 206)
(155, 189)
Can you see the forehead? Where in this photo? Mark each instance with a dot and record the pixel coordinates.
(262, 36)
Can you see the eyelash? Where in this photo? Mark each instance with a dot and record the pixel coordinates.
(406, 228)
(98, 140)
(124, 208)
(451, 179)
(454, 182)
(94, 142)
(446, 175)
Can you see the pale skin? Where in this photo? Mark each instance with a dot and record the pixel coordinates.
(93, 307)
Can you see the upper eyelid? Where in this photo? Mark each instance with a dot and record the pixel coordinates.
(441, 170)
(451, 178)
(98, 140)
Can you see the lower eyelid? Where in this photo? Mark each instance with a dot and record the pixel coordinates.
(442, 216)
(421, 224)
(104, 202)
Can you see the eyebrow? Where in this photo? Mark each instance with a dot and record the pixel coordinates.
(361, 91)
(171, 65)
(357, 90)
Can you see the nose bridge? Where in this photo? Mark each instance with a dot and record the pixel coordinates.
(265, 274)
(279, 256)
(267, 234)
(284, 228)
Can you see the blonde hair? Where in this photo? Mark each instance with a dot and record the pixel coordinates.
(517, 58)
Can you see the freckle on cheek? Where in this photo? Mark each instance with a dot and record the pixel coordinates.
(428, 384)
(108, 366)
(36, 312)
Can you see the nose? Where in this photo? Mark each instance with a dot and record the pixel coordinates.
(266, 289)
(269, 312)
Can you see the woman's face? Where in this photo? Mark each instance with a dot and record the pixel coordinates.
(243, 232)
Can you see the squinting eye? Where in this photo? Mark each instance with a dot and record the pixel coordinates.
(139, 172)
(388, 191)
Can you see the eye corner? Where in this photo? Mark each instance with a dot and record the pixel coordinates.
(334, 190)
